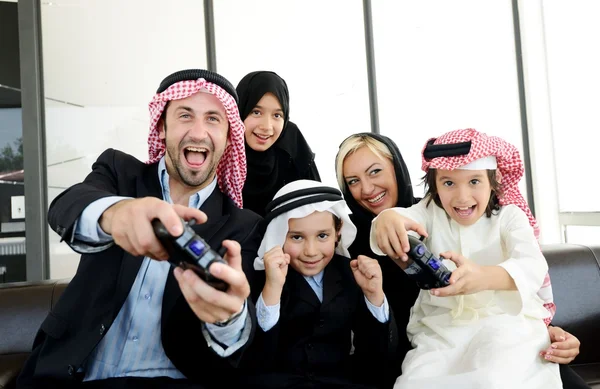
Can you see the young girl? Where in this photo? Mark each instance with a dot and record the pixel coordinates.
(313, 297)
(276, 151)
(484, 330)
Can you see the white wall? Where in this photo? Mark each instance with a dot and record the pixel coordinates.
(115, 53)
(103, 61)
(318, 47)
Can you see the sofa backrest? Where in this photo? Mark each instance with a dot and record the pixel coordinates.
(574, 271)
(23, 307)
(575, 276)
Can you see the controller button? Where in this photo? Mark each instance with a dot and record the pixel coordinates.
(434, 264)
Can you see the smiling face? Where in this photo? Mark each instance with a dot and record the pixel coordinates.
(371, 180)
(464, 194)
(195, 132)
(310, 242)
(264, 123)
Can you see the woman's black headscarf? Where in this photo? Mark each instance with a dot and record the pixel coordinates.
(363, 217)
(400, 291)
(288, 159)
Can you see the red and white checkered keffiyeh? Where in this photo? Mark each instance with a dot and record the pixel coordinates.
(511, 170)
(231, 170)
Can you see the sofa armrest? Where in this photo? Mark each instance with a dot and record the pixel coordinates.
(10, 367)
(575, 273)
(590, 373)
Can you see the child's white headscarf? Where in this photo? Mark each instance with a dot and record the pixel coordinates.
(299, 199)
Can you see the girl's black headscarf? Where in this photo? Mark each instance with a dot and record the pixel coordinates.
(288, 159)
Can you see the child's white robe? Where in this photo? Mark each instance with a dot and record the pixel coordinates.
(490, 339)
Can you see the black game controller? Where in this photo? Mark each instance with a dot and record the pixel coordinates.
(425, 269)
(190, 251)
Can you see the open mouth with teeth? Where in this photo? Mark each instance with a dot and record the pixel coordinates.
(262, 137)
(195, 156)
(465, 212)
(377, 199)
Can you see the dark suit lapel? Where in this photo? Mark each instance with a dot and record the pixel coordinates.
(332, 281)
(146, 185)
(213, 207)
(301, 289)
(216, 219)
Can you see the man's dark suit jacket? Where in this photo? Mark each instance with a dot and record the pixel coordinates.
(311, 342)
(89, 305)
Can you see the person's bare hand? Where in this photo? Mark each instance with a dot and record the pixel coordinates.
(212, 305)
(367, 274)
(390, 230)
(467, 278)
(130, 224)
(470, 277)
(564, 347)
(276, 266)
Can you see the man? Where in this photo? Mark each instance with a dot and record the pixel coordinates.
(127, 319)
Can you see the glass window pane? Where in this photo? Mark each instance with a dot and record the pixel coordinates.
(586, 235)
(319, 53)
(445, 65)
(12, 188)
(572, 32)
(103, 61)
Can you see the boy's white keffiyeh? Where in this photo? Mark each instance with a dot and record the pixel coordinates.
(277, 228)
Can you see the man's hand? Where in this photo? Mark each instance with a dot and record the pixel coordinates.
(276, 268)
(390, 232)
(367, 274)
(129, 223)
(564, 347)
(212, 305)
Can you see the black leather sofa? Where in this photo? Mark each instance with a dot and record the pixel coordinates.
(574, 269)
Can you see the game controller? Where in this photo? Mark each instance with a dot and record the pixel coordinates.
(424, 268)
(190, 251)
